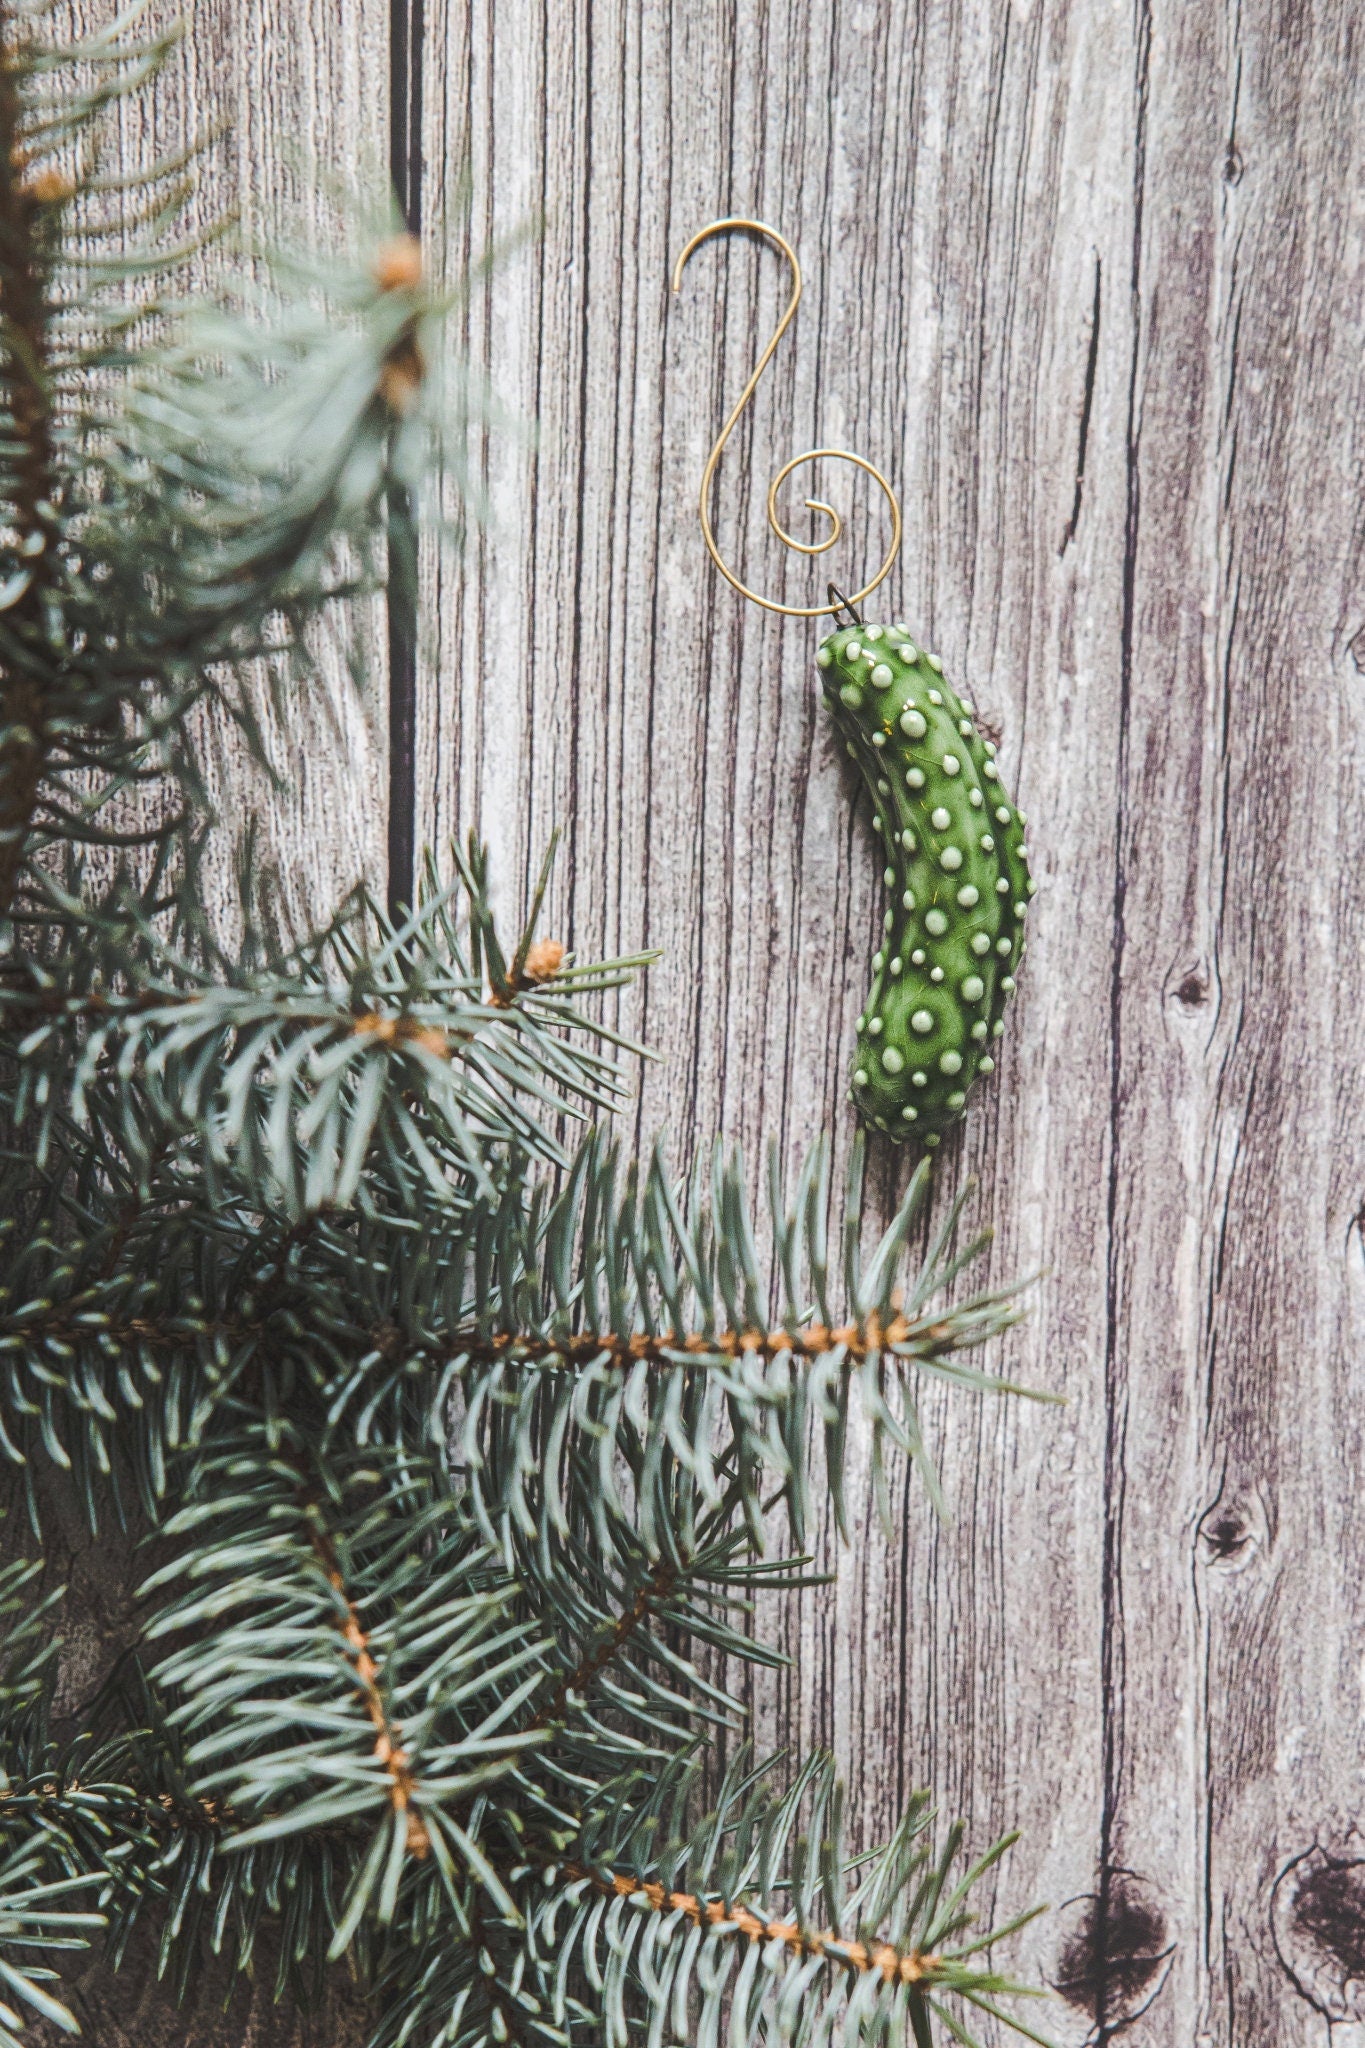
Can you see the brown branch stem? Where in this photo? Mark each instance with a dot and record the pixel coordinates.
(648, 1595)
(908, 1966)
(857, 1341)
(97, 1005)
(387, 1735)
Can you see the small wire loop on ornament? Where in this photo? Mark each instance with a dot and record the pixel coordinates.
(836, 524)
(839, 604)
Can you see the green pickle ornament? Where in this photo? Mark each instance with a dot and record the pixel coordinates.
(954, 858)
(956, 874)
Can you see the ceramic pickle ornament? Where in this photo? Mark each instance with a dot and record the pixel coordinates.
(956, 875)
(955, 861)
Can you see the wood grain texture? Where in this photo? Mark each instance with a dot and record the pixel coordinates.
(1086, 279)
(292, 97)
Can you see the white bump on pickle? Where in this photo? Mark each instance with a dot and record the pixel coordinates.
(985, 1065)
(919, 1077)
(913, 776)
(922, 1022)
(935, 662)
(874, 1027)
(955, 1099)
(895, 967)
(968, 896)
(912, 724)
(888, 876)
(990, 771)
(1004, 945)
(1002, 887)
(860, 1078)
(950, 1062)
(951, 859)
(973, 988)
(998, 1028)
(909, 1113)
(917, 957)
(881, 675)
(981, 942)
(987, 843)
(908, 900)
(974, 796)
(879, 739)
(1002, 814)
(824, 658)
(940, 819)
(935, 697)
(979, 1029)
(935, 974)
(1021, 910)
(1008, 984)
(935, 922)
(892, 1060)
(853, 651)
(951, 764)
(908, 841)
(873, 632)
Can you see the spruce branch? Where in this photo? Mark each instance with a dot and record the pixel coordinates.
(392, 1660)
(388, 1739)
(292, 1066)
(650, 1595)
(754, 1915)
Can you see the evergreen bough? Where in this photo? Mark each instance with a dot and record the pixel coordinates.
(449, 1444)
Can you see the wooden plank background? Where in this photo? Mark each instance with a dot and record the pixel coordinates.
(1085, 278)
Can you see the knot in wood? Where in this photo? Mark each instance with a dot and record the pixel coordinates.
(1116, 1951)
(1317, 1916)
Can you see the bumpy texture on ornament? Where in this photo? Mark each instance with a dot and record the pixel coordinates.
(956, 872)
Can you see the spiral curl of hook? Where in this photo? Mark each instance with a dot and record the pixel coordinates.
(817, 505)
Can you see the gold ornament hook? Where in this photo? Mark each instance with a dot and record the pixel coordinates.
(836, 525)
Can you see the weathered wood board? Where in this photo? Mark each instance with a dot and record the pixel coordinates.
(290, 99)
(1086, 280)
